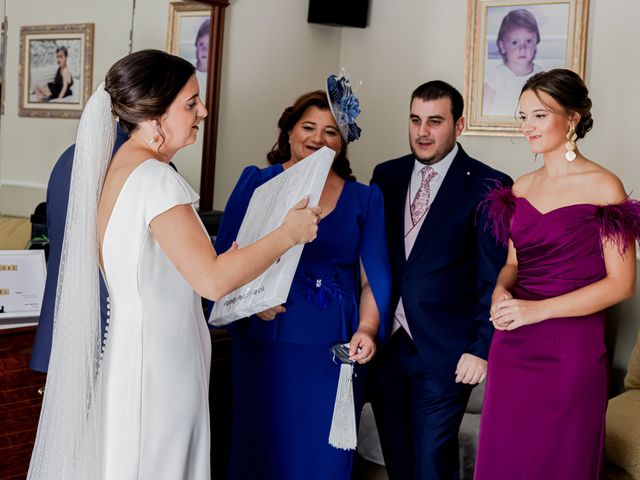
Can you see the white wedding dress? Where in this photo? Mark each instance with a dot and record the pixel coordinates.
(154, 374)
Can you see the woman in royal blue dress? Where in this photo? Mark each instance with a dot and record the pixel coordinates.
(284, 377)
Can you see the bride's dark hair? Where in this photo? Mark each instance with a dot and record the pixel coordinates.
(143, 84)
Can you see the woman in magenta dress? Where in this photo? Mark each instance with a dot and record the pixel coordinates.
(571, 231)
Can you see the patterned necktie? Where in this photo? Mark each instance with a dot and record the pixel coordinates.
(420, 202)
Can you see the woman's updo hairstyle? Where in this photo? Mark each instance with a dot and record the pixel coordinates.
(569, 90)
(143, 84)
(281, 151)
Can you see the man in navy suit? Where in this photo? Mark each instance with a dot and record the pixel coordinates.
(57, 200)
(444, 267)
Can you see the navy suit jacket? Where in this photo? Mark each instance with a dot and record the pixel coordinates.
(57, 200)
(447, 281)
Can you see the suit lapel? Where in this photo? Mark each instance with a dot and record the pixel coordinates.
(453, 187)
(397, 207)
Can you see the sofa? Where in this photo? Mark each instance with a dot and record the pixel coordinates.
(622, 443)
(15, 233)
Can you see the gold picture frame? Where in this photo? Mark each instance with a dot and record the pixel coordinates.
(507, 42)
(4, 27)
(188, 36)
(50, 55)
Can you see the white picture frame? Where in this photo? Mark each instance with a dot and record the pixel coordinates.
(22, 279)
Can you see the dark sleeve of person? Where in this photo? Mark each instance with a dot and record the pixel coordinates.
(57, 199)
(375, 260)
(375, 178)
(491, 259)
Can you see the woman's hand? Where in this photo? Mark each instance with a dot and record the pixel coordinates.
(499, 294)
(301, 223)
(362, 346)
(270, 313)
(512, 313)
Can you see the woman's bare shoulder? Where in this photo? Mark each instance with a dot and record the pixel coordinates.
(604, 185)
(523, 183)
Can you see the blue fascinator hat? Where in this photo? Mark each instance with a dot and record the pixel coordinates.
(344, 105)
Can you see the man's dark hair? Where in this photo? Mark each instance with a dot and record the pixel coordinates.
(437, 89)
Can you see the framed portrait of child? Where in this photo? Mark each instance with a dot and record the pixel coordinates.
(508, 42)
(188, 36)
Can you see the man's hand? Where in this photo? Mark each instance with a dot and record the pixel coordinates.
(471, 369)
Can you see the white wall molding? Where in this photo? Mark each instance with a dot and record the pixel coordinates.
(23, 184)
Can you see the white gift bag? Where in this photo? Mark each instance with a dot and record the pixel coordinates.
(268, 206)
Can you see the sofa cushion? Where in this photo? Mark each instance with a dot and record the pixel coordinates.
(632, 379)
(622, 443)
(15, 233)
(475, 400)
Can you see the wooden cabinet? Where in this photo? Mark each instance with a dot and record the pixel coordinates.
(21, 399)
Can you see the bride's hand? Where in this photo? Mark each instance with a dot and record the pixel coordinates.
(301, 223)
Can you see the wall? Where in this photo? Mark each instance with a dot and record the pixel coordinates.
(272, 56)
(267, 64)
(30, 146)
(423, 40)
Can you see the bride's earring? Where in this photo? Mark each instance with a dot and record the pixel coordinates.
(570, 154)
(155, 135)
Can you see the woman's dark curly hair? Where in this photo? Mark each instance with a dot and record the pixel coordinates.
(281, 151)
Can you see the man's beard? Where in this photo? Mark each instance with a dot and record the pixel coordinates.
(438, 155)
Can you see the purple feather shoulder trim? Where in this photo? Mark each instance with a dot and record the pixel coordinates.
(497, 208)
(620, 223)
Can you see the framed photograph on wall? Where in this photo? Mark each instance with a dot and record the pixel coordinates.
(56, 66)
(3, 60)
(188, 36)
(508, 41)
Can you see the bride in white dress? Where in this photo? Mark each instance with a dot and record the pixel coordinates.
(136, 406)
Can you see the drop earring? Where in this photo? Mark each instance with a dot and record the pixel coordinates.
(155, 134)
(570, 154)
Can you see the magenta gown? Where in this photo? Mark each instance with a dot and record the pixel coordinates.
(543, 415)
